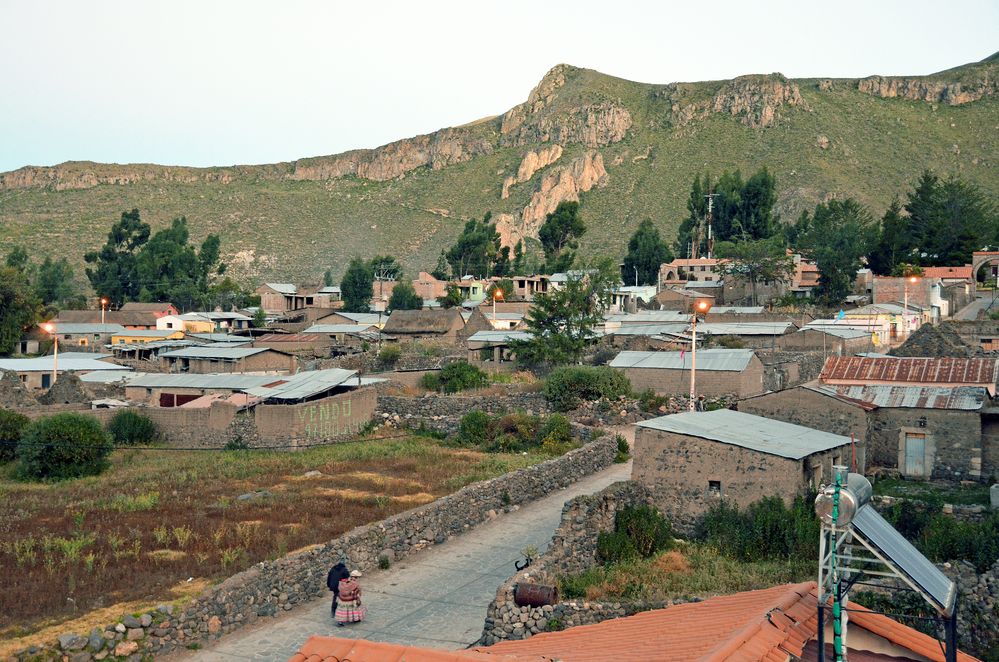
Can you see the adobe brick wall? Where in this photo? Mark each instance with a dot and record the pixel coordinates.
(802, 406)
(710, 383)
(676, 469)
(331, 418)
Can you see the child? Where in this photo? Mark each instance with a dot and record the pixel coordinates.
(349, 608)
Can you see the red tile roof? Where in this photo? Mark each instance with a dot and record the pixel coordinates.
(948, 272)
(901, 635)
(895, 370)
(335, 649)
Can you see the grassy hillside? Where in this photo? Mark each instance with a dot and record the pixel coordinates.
(278, 228)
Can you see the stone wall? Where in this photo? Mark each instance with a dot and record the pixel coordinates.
(572, 550)
(953, 440)
(443, 413)
(270, 587)
(784, 369)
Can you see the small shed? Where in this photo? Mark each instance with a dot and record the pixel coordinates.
(694, 460)
(719, 371)
(444, 326)
(204, 360)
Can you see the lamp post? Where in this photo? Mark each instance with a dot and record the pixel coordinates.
(701, 306)
(51, 328)
(497, 295)
(104, 303)
(636, 276)
(905, 304)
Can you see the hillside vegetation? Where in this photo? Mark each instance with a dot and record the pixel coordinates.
(629, 151)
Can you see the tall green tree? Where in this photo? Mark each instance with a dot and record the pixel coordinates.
(357, 287)
(385, 267)
(19, 307)
(741, 210)
(443, 270)
(895, 243)
(54, 283)
(646, 253)
(328, 278)
(170, 269)
(114, 274)
(755, 262)
(451, 298)
(404, 297)
(519, 260)
(561, 321)
(18, 258)
(839, 234)
(477, 250)
(949, 219)
(560, 236)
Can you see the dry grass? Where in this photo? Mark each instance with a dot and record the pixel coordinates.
(157, 518)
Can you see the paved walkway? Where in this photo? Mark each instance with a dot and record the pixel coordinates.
(970, 312)
(436, 598)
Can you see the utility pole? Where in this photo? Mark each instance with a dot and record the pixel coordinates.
(711, 238)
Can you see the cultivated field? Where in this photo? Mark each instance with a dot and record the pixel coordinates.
(159, 525)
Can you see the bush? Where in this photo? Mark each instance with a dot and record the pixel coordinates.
(649, 401)
(615, 547)
(567, 386)
(130, 428)
(63, 446)
(556, 435)
(623, 450)
(389, 355)
(766, 530)
(638, 532)
(454, 377)
(11, 425)
(475, 429)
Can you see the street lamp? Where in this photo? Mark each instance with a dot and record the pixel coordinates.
(497, 295)
(104, 303)
(701, 306)
(49, 327)
(905, 303)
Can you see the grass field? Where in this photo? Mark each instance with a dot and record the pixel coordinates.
(137, 533)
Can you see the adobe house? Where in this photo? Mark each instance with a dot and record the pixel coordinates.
(377, 320)
(130, 319)
(156, 309)
(841, 341)
(680, 299)
(85, 336)
(443, 326)
(205, 360)
(691, 461)
(36, 373)
(719, 371)
(297, 343)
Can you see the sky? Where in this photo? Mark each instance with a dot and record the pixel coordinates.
(219, 82)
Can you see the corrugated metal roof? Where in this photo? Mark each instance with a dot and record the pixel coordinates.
(338, 328)
(292, 337)
(867, 370)
(738, 310)
(156, 344)
(108, 376)
(967, 398)
(725, 360)
(846, 333)
(747, 431)
(364, 318)
(745, 328)
(219, 337)
(304, 384)
(226, 316)
(649, 329)
(499, 336)
(649, 317)
(147, 333)
(233, 353)
(695, 284)
(65, 364)
(232, 381)
(332, 289)
(905, 558)
(83, 328)
(503, 316)
(283, 288)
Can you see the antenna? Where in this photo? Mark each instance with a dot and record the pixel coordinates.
(711, 239)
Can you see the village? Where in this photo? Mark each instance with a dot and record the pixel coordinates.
(722, 399)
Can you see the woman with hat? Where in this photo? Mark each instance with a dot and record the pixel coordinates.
(349, 608)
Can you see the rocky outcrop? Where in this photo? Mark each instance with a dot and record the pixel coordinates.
(563, 183)
(755, 100)
(932, 91)
(531, 163)
(84, 174)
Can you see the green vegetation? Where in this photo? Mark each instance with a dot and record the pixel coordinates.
(63, 446)
(639, 532)
(933, 494)
(567, 386)
(390, 354)
(837, 236)
(623, 453)
(740, 210)
(357, 287)
(560, 236)
(646, 253)
(943, 538)
(478, 251)
(753, 262)
(130, 428)
(515, 433)
(404, 297)
(454, 377)
(11, 426)
(765, 530)
(19, 308)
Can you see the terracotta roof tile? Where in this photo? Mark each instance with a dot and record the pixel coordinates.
(335, 649)
(948, 272)
(915, 641)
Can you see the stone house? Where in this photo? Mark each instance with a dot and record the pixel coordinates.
(680, 299)
(691, 461)
(748, 334)
(920, 431)
(841, 341)
(36, 373)
(719, 371)
(436, 325)
(205, 360)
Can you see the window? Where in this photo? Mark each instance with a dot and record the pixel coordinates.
(714, 487)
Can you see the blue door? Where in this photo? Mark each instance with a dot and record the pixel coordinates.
(915, 454)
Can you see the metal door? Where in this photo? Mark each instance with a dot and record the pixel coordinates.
(915, 454)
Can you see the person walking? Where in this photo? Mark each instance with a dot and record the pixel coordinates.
(336, 574)
(349, 608)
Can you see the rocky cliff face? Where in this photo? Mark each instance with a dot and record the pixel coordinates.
(530, 164)
(82, 175)
(564, 183)
(755, 100)
(932, 91)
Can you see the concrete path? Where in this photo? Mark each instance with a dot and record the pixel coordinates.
(436, 598)
(970, 312)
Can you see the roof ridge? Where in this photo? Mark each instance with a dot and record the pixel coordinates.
(727, 648)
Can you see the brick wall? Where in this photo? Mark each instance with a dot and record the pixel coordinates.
(331, 418)
(710, 383)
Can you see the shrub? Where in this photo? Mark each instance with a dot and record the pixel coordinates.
(647, 529)
(454, 377)
(65, 445)
(556, 435)
(650, 402)
(566, 386)
(623, 450)
(130, 428)
(475, 429)
(390, 354)
(766, 530)
(11, 425)
(615, 547)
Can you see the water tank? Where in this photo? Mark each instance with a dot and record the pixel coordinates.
(855, 492)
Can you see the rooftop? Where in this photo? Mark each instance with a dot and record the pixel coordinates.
(498, 336)
(147, 333)
(216, 352)
(335, 649)
(904, 370)
(967, 398)
(649, 317)
(220, 337)
(845, 332)
(86, 328)
(745, 328)
(303, 385)
(283, 288)
(74, 363)
(748, 431)
(728, 360)
(138, 306)
(422, 321)
(738, 310)
(338, 328)
(948, 272)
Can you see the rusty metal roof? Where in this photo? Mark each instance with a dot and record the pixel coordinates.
(904, 370)
(967, 398)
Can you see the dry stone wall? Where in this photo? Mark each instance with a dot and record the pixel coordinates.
(271, 587)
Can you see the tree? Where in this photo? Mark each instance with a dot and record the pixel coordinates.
(518, 264)
(560, 236)
(753, 262)
(477, 250)
(328, 278)
(18, 307)
(949, 219)
(227, 295)
(443, 270)
(740, 210)
(504, 285)
(54, 282)
(114, 275)
(452, 298)
(18, 258)
(66, 445)
(385, 267)
(11, 425)
(839, 234)
(259, 320)
(169, 269)
(561, 321)
(646, 253)
(357, 287)
(895, 241)
(404, 297)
